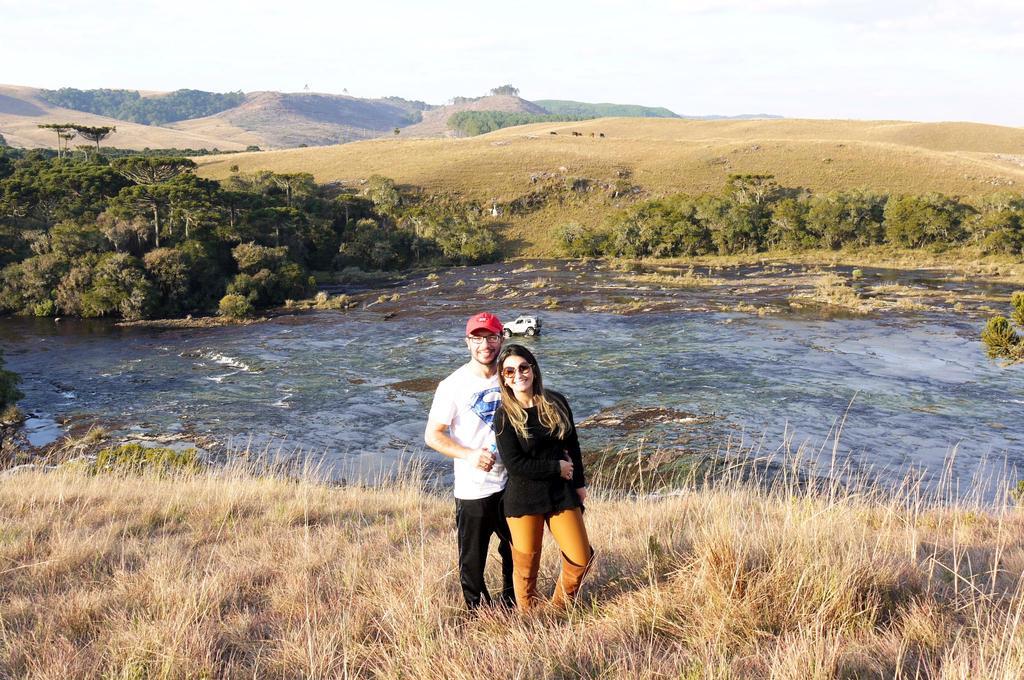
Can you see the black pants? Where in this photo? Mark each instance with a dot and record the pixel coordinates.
(475, 521)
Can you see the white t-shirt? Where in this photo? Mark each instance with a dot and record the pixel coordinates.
(466, 403)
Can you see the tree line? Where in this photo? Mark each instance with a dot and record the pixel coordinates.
(143, 236)
(471, 123)
(753, 213)
(130, 105)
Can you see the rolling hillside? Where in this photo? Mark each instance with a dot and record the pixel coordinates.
(435, 122)
(264, 119)
(603, 110)
(663, 156)
(22, 110)
(312, 119)
(269, 120)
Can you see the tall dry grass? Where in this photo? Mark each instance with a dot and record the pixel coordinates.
(227, 574)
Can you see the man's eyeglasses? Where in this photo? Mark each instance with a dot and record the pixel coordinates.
(523, 369)
(480, 339)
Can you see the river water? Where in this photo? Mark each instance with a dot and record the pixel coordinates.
(353, 388)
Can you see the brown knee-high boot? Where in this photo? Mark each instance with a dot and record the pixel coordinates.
(525, 567)
(569, 581)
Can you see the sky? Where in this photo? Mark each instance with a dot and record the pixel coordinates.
(861, 59)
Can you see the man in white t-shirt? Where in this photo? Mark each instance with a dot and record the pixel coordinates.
(460, 427)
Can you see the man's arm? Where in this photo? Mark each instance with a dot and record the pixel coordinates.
(437, 438)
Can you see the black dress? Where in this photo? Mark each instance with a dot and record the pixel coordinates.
(535, 486)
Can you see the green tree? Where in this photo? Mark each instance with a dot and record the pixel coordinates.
(95, 134)
(193, 204)
(998, 224)
(45, 191)
(235, 306)
(112, 284)
(125, 233)
(293, 184)
(384, 195)
(1001, 338)
(70, 241)
(168, 268)
(466, 242)
(661, 228)
(251, 257)
(844, 218)
(788, 228)
(915, 221)
(266, 277)
(510, 90)
(28, 285)
(575, 240)
(150, 192)
(64, 133)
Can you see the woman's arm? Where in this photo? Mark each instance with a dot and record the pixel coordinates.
(571, 444)
(518, 462)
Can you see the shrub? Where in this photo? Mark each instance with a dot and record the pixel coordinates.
(45, 308)
(578, 241)
(1017, 492)
(1001, 340)
(914, 221)
(325, 301)
(251, 257)
(659, 228)
(235, 307)
(9, 380)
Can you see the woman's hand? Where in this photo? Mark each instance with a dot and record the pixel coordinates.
(582, 493)
(565, 469)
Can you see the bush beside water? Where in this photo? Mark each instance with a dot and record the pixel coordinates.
(142, 236)
(753, 213)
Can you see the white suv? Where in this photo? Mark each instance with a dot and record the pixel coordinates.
(523, 325)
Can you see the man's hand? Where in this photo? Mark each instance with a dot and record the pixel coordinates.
(565, 469)
(481, 459)
(582, 493)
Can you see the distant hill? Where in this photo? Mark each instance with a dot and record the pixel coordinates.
(23, 109)
(585, 110)
(203, 120)
(270, 120)
(657, 157)
(310, 119)
(741, 116)
(130, 105)
(435, 122)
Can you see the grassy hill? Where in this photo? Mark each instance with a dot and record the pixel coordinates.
(228, 575)
(587, 110)
(293, 119)
(264, 119)
(435, 122)
(270, 120)
(22, 110)
(660, 157)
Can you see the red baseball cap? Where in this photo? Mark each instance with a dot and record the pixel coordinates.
(484, 321)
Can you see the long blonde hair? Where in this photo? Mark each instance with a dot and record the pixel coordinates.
(550, 413)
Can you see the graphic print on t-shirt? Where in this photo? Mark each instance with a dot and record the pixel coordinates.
(485, 403)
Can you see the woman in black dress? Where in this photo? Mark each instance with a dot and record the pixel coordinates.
(537, 441)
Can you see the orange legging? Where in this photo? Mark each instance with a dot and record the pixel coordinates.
(566, 526)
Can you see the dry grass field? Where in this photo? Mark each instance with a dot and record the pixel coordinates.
(227, 575)
(661, 157)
